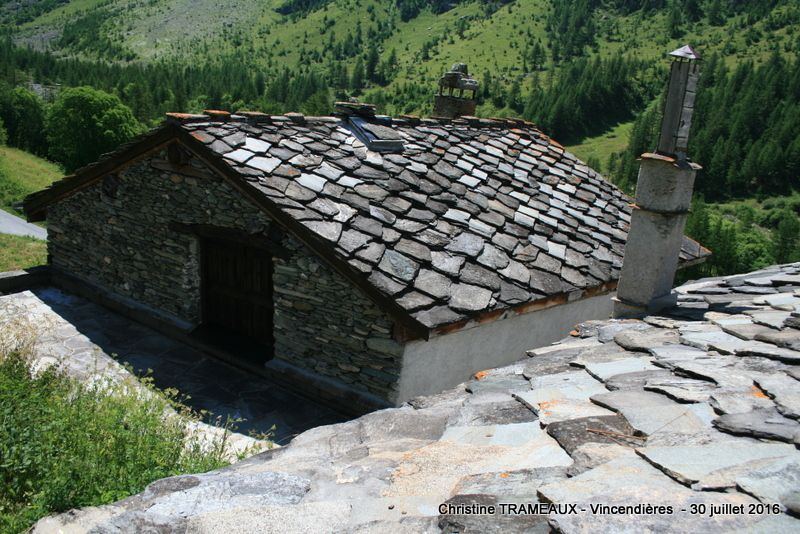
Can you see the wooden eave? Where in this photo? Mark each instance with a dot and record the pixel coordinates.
(35, 205)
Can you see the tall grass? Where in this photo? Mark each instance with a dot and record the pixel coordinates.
(65, 444)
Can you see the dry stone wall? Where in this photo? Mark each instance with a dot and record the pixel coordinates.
(115, 234)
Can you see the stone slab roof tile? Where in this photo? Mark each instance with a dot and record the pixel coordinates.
(480, 191)
(622, 412)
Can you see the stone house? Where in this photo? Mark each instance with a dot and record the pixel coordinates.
(362, 257)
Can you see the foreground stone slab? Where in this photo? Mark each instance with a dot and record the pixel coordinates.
(637, 380)
(691, 464)
(521, 484)
(590, 455)
(731, 401)
(605, 370)
(770, 318)
(610, 429)
(777, 482)
(784, 391)
(767, 423)
(681, 389)
(514, 441)
(643, 341)
(650, 412)
(632, 481)
(563, 396)
(490, 524)
(577, 385)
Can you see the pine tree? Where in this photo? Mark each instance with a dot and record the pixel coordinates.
(714, 13)
(371, 64)
(786, 240)
(357, 78)
(675, 21)
(693, 10)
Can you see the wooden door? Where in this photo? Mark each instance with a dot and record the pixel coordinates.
(237, 293)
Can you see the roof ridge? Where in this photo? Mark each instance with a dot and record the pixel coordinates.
(257, 117)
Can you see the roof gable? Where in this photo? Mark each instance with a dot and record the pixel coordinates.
(468, 217)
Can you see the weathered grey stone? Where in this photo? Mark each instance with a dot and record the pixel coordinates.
(466, 243)
(731, 401)
(770, 318)
(264, 164)
(477, 275)
(635, 381)
(784, 391)
(563, 396)
(682, 389)
(576, 345)
(329, 230)
(691, 464)
(467, 297)
(625, 481)
(788, 339)
(490, 524)
(766, 423)
(398, 265)
(607, 332)
(493, 257)
(492, 413)
(606, 353)
(414, 301)
(510, 486)
(606, 370)
(573, 433)
(446, 262)
(437, 315)
(677, 353)
(527, 445)
(217, 492)
(715, 336)
(592, 454)
(576, 384)
(433, 283)
(649, 413)
(746, 331)
(555, 362)
(775, 482)
(643, 341)
(502, 383)
(765, 350)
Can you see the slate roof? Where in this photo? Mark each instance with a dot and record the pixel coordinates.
(470, 216)
(696, 406)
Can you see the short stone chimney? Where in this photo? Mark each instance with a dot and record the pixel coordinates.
(663, 197)
(451, 102)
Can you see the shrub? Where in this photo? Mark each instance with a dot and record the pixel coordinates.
(84, 123)
(65, 444)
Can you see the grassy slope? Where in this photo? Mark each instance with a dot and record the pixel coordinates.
(160, 27)
(21, 252)
(601, 146)
(22, 173)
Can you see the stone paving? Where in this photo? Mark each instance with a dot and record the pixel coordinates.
(696, 409)
(89, 340)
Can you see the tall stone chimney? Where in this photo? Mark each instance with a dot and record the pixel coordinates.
(663, 198)
(451, 103)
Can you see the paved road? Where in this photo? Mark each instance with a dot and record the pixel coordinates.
(11, 224)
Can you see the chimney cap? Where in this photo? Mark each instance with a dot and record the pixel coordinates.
(685, 52)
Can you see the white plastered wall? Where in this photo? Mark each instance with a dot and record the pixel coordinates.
(446, 361)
